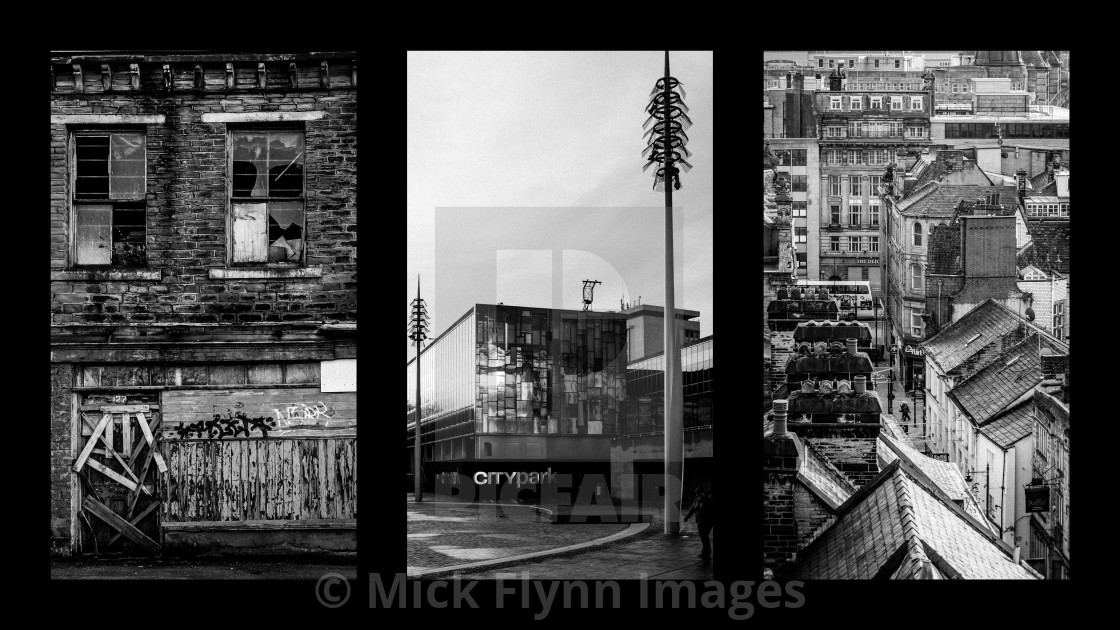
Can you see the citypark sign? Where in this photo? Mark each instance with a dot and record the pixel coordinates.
(482, 478)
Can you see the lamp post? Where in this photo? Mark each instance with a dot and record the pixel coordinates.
(418, 332)
(667, 148)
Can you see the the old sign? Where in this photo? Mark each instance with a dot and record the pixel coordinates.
(258, 414)
(1038, 498)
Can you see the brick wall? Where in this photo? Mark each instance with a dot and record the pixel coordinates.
(779, 530)
(61, 457)
(187, 206)
(811, 515)
(854, 456)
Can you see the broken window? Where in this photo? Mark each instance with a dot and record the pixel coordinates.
(266, 183)
(109, 193)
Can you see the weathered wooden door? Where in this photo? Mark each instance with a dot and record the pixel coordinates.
(118, 467)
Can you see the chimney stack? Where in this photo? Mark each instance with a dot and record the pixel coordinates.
(789, 79)
(852, 347)
(1016, 557)
(781, 407)
(861, 384)
(1021, 182)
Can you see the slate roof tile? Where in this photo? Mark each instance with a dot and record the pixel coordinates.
(1010, 426)
(896, 518)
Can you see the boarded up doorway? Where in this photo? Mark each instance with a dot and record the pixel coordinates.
(118, 468)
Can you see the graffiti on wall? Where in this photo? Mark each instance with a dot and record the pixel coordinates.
(230, 425)
(302, 413)
(239, 424)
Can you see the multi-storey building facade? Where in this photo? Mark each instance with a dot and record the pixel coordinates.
(861, 133)
(829, 61)
(798, 164)
(203, 301)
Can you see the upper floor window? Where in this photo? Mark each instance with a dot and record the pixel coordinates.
(834, 102)
(916, 276)
(800, 183)
(834, 186)
(917, 235)
(956, 87)
(831, 62)
(799, 209)
(876, 63)
(855, 187)
(876, 102)
(896, 102)
(915, 132)
(857, 102)
(798, 156)
(896, 63)
(800, 234)
(110, 187)
(915, 102)
(820, 63)
(267, 196)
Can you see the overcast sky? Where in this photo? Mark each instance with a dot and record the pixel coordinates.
(561, 130)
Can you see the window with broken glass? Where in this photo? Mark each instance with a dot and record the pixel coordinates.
(267, 196)
(109, 191)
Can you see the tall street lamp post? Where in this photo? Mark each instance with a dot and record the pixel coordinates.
(418, 332)
(667, 148)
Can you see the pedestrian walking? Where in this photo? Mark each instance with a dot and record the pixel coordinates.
(905, 410)
(704, 509)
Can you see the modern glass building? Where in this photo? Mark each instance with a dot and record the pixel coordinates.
(520, 389)
(645, 390)
(522, 386)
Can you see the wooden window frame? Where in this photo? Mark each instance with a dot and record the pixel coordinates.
(72, 178)
(231, 129)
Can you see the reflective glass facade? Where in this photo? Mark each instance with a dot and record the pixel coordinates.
(447, 382)
(545, 371)
(508, 370)
(645, 385)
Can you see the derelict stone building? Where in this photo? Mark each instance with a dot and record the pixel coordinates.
(203, 237)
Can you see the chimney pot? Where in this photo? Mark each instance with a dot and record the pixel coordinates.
(781, 407)
(852, 347)
(861, 384)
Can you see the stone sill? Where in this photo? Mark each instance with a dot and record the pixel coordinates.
(292, 273)
(106, 275)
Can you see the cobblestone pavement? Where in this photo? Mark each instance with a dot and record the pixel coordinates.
(652, 556)
(202, 569)
(442, 534)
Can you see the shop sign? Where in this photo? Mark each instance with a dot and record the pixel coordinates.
(1038, 498)
(914, 351)
(867, 261)
(894, 348)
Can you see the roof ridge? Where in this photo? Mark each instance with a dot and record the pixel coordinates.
(918, 194)
(961, 319)
(911, 530)
(929, 485)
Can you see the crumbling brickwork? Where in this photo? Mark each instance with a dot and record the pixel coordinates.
(187, 200)
(811, 514)
(61, 378)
